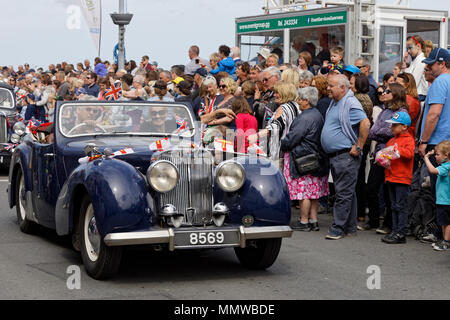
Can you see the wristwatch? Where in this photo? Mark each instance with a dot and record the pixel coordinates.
(358, 148)
(422, 142)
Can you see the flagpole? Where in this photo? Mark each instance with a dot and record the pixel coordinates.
(100, 36)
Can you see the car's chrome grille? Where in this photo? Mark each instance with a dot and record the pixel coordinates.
(3, 130)
(193, 195)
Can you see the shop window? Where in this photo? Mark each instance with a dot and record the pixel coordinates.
(390, 45)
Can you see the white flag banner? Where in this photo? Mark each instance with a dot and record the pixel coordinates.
(92, 12)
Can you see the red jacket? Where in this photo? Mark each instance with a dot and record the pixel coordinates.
(414, 109)
(246, 125)
(401, 170)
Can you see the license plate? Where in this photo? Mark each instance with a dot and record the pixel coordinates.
(206, 238)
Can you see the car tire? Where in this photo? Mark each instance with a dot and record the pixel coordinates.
(260, 255)
(100, 261)
(25, 225)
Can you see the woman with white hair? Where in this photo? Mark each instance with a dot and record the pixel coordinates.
(138, 93)
(302, 140)
(306, 78)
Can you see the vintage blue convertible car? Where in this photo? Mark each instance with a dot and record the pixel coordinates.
(110, 178)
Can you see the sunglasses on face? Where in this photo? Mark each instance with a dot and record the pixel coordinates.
(222, 86)
(160, 113)
(266, 79)
(387, 91)
(409, 47)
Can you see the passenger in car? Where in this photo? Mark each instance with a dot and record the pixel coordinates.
(159, 121)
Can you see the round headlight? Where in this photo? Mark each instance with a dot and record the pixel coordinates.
(162, 176)
(230, 176)
(19, 128)
(15, 138)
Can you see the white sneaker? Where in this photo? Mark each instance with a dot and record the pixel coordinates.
(429, 238)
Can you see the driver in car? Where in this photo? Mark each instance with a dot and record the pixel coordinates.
(86, 120)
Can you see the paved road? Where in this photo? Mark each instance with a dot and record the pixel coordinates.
(308, 267)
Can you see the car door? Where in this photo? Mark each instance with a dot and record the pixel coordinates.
(45, 183)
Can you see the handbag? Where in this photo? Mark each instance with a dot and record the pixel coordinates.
(307, 164)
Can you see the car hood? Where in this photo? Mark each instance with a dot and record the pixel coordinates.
(141, 158)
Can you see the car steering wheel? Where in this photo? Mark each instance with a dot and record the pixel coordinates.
(85, 124)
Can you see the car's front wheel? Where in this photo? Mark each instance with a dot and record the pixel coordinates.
(259, 254)
(100, 261)
(25, 225)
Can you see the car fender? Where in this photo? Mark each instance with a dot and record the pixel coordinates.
(118, 192)
(264, 195)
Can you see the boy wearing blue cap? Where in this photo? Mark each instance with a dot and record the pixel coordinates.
(399, 176)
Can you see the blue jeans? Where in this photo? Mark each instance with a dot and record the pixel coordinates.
(344, 170)
(398, 193)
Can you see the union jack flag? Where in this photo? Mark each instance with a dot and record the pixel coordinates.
(181, 124)
(115, 92)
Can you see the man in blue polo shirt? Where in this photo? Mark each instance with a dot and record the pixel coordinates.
(436, 117)
(343, 136)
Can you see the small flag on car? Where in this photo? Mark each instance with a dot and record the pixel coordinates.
(89, 159)
(115, 92)
(160, 145)
(181, 124)
(123, 152)
(223, 145)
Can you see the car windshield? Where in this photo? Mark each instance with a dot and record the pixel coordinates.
(139, 119)
(6, 98)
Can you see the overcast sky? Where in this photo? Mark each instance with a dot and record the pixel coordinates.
(35, 31)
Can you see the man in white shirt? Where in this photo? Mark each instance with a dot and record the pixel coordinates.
(196, 62)
(414, 45)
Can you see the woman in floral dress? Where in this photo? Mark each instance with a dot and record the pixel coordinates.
(304, 139)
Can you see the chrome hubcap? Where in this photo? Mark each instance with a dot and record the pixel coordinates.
(92, 237)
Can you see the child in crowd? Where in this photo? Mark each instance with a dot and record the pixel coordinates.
(399, 176)
(442, 152)
(337, 55)
(34, 111)
(246, 123)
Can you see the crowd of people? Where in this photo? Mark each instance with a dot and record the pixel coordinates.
(369, 151)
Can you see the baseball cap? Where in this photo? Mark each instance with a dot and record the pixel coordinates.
(154, 63)
(264, 52)
(351, 68)
(31, 96)
(437, 55)
(401, 117)
(201, 71)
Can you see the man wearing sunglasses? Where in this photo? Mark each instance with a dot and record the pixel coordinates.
(414, 47)
(91, 86)
(159, 121)
(265, 102)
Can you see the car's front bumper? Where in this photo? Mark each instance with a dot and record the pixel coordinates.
(167, 236)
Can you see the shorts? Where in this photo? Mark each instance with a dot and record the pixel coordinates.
(442, 215)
